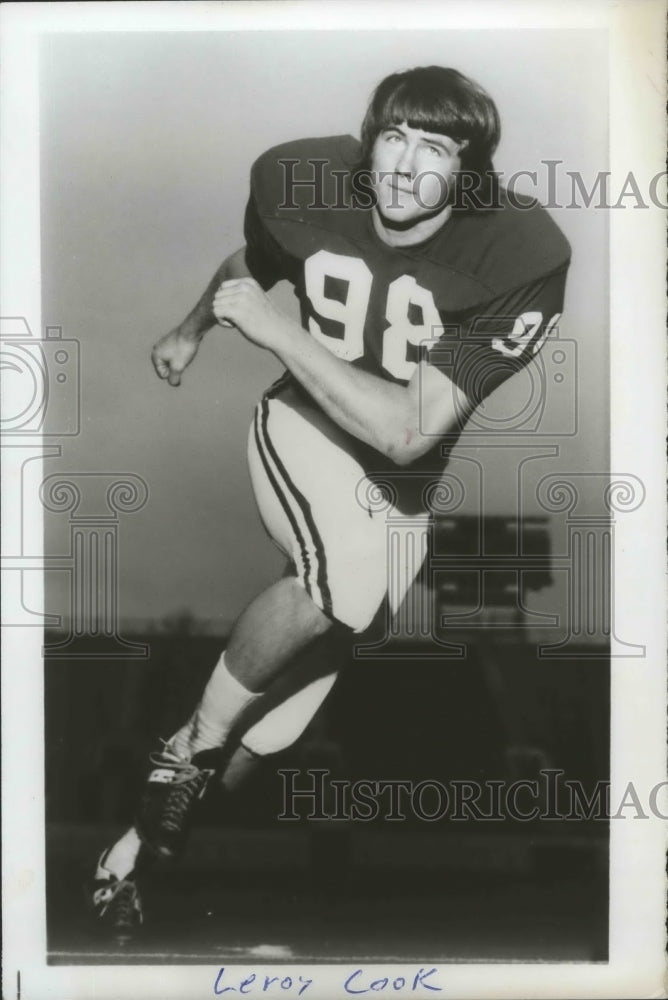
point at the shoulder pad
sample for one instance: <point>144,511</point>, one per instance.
<point>501,249</point>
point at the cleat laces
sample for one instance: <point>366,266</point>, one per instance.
<point>188,783</point>
<point>126,905</point>
<point>123,897</point>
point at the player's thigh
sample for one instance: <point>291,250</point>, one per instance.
<point>309,488</point>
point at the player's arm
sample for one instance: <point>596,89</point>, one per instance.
<point>174,352</point>
<point>383,414</point>
<point>201,318</point>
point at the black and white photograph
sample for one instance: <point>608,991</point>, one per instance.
<point>333,361</point>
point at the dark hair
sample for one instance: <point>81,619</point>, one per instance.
<point>436,99</point>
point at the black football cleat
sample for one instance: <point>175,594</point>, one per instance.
<point>116,904</point>
<point>172,790</point>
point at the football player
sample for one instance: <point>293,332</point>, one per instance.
<point>422,288</point>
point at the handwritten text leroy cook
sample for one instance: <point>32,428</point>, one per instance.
<point>356,982</point>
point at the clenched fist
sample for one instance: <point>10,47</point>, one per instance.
<point>241,302</point>
<point>172,354</point>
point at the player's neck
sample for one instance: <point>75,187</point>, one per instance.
<point>424,229</point>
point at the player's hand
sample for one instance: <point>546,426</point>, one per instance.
<point>172,354</point>
<point>241,302</point>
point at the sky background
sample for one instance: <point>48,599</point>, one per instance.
<point>146,143</point>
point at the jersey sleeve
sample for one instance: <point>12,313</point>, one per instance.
<point>482,349</point>
<point>267,261</point>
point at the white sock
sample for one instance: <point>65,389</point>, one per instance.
<point>283,725</point>
<point>222,703</point>
<point>122,856</point>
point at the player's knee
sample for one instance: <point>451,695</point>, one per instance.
<point>303,606</point>
<point>342,609</point>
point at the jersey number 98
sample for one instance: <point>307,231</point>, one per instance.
<point>351,313</point>
<point>402,293</point>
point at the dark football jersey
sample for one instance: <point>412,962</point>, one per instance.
<point>477,299</point>
<point>488,286</point>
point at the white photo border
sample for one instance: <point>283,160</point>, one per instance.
<point>636,967</point>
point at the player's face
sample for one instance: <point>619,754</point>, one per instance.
<point>413,173</point>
